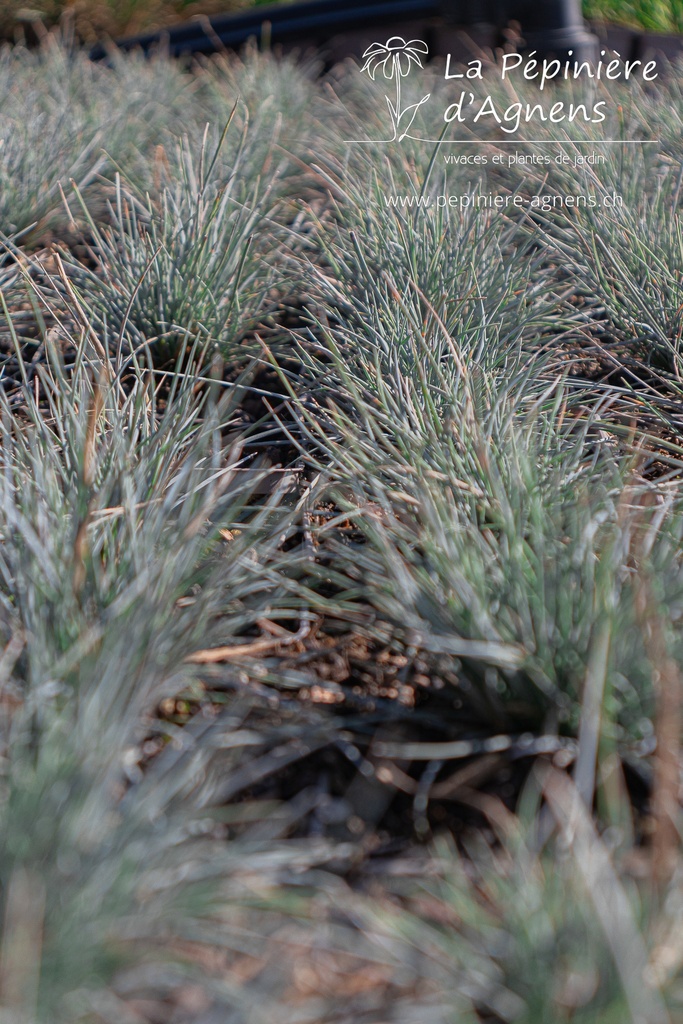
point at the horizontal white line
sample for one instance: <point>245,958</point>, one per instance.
<point>542,142</point>
<point>509,142</point>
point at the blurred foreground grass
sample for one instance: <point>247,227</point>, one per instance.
<point>341,574</point>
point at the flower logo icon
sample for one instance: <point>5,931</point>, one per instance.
<point>395,58</point>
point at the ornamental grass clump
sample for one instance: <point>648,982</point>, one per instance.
<point>44,141</point>
<point>625,260</point>
<point>504,544</point>
<point>188,263</point>
<point>274,121</point>
<point>118,564</point>
<point>610,218</point>
<point>64,118</point>
<point>408,297</point>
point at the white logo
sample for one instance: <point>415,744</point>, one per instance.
<point>395,58</point>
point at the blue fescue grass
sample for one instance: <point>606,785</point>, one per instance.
<point>511,535</point>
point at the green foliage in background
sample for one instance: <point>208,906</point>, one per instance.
<point>654,15</point>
